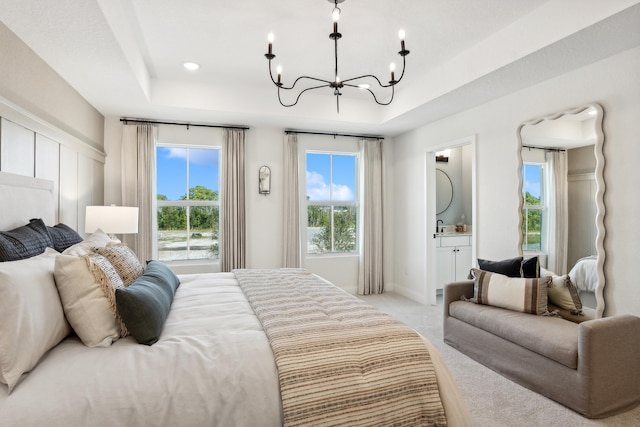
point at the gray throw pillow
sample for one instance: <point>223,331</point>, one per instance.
<point>144,305</point>
<point>63,237</point>
<point>24,242</point>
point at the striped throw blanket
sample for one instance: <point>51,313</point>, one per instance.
<point>340,361</point>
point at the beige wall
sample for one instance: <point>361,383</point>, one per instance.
<point>613,84</point>
<point>27,81</point>
<point>49,131</point>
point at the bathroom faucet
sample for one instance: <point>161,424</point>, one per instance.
<point>438,230</point>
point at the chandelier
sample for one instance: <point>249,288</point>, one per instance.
<point>337,84</point>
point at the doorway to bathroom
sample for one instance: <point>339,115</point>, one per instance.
<point>450,199</point>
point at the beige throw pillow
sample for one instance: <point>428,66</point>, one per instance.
<point>527,295</point>
<point>124,260</point>
<point>564,294</point>
<point>31,315</point>
<point>97,240</point>
<point>86,285</point>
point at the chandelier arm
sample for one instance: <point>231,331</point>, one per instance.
<point>362,77</point>
<point>296,81</point>
<point>326,83</point>
<point>404,63</point>
<point>375,98</point>
<point>377,79</point>
<point>299,95</point>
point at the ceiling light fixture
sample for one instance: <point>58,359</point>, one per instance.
<point>191,66</point>
<point>337,84</point>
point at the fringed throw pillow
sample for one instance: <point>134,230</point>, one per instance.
<point>564,294</point>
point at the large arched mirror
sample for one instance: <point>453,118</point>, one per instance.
<point>562,197</point>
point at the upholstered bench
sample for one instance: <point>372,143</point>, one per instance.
<point>592,366</point>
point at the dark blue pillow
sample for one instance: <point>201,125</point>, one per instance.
<point>24,242</point>
<point>63,237</point>
<point>144,305</point>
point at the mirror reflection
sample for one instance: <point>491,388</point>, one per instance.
<point>561,197</point>
<point>444,191</point>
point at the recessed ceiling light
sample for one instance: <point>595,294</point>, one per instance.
<point>191,66</point>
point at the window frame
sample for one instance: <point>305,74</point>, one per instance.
<point>188,204</point>
<point>333,203</point>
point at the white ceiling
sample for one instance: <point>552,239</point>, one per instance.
<point>125,56</point>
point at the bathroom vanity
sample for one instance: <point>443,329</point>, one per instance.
<point>453,258</point>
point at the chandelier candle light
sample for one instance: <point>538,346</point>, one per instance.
<point>337,84</point>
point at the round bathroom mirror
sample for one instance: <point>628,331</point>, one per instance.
<point>444,191</point>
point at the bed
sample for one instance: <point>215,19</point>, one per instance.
<point>215,361</point>
<point>585,274</point>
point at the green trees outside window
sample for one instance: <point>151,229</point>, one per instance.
<point>332,208</point>
<point>533,207</point>
<point>188,219</point>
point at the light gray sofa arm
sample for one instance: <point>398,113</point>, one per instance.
<point>454,291</point>
<point>608,361</point>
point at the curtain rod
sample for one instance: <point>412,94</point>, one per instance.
<point>126,120</point>
<point>333,134</point>
<point>544,148</point>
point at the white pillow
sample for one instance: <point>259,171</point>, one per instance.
<point>97,240</point>
<point>89,301</point>
<point>31,316</point>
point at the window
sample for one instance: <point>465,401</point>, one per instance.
<point>533,207</point>
<point>188,207</point>
<point>332,203</point>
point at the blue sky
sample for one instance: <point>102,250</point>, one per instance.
<point>171,164</point>
<point>319,177</point>
<point>531,177</point>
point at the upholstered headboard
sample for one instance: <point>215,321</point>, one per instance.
<point>23,198</point>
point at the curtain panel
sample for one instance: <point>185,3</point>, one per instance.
<point>138,185</point>
<point>557,201</point>
<point>370,276</point>
<point>232,205</point>
<point>291,217</point>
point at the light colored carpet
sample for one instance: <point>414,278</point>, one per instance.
<point>492,399</point>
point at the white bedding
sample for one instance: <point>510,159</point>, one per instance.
<point>212,366</point>
<point>585,274</point>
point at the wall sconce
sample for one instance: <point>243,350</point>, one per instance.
<point>264,180</point>
<point>443,156</point>
<point>111,219</point>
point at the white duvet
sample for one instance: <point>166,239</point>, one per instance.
<point>585,274</point>
<point>212,366</point>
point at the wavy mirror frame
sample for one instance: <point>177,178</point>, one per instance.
<point>600,190</point>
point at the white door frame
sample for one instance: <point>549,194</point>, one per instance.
<point>430,210</point>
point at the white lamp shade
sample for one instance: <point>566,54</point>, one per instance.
<point>111,219</point>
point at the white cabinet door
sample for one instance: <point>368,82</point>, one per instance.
<point>445,266</point>
<point>463,262</point>
<point>452,264</point>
